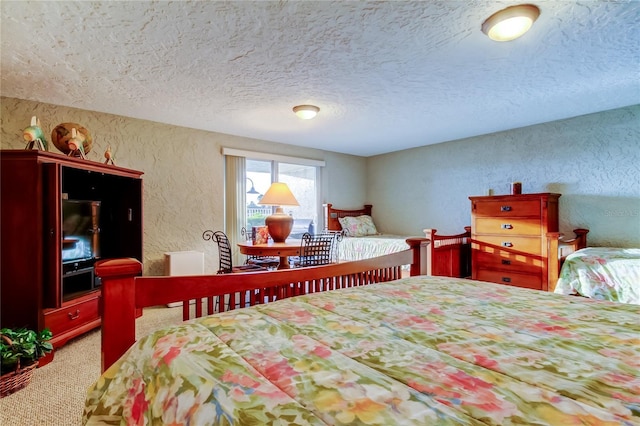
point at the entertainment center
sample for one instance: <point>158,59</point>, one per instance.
<point>59,215</point>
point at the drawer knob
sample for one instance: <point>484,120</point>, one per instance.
<point>506,279</point>
<point>507,244</point>
<point>506,262</point>
<point>505,208</point>
<point>507,226</point>
<point>74,315</point>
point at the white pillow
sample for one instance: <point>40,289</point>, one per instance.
<point>358,226</point>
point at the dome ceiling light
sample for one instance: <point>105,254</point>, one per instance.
<point>306,112</point>
<point>510,23</point>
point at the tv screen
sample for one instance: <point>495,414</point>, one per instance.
<point>80,230</point>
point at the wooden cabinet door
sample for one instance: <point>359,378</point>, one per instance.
<point>52,238</point>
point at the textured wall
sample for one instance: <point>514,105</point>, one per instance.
<point>183,171</point>
<point>592,160</point>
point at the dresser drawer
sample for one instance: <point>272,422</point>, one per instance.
<point>508,226</point>
<point>73,315</point>
<point>506,261</point>
<point>511,208</point>
<point>507,243</point>
<point>532,281</point>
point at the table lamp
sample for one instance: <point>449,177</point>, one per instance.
<point>279,223</point>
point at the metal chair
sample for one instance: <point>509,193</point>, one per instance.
<point>225,259</point>
<point>269,262</point>
<point>225,255</point>
<point>320,249</point>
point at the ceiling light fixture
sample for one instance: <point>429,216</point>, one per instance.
<point>510,23</point>
<point>306,112</point>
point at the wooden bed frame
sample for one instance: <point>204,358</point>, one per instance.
<point>448,255</point>
<point>124,291</point>
<point>332,216</point>
<point>564,247</point>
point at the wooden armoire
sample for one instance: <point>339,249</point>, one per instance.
<point>59,215</point>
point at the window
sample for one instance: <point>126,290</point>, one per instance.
<point>249,169</point>
<point>302,180</point>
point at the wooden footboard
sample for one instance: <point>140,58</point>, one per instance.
<point>564,247</point>
<point>123,291</point>
<point>449,255</point>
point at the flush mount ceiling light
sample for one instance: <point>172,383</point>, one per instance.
<point>306,112</point>
<point>510,23</point>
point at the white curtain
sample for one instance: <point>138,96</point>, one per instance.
<point>235,211</point>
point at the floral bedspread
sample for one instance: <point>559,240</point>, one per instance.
<point>359,248</point>
<point>603,273</point>
<point>417,351</point>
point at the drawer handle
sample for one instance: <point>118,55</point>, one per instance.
<point>507,244</point>
<point>505,208</point>
<point>506,262</point>
<point>506,279</point>
<point>507,226</point>
<point>74,315</point>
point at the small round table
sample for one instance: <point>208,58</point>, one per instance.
<point>282,250</point>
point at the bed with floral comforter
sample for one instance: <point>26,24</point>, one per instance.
<point>369,246</point>
<point>417,351</point>
<point>603,273</point>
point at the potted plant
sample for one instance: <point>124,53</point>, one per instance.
<point>20,350</point>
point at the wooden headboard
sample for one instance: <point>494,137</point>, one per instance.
<point>332,215</point>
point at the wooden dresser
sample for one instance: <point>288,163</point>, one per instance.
<point>508,238</point>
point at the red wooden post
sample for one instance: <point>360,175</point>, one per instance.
<point>430,234</point>
<point>419,248</point>
<point>118,289</point>
<point>581,235</point>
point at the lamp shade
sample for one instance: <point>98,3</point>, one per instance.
<point>278,194</point>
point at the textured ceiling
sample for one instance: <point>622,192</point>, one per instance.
<point>387,75</point>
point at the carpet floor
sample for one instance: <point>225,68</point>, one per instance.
<point>55,396</point>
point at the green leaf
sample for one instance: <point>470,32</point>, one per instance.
<point>26,346</point>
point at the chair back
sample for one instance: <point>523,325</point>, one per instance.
<point>224,250</point>
<point>318,249</point>
<point>245,233</point>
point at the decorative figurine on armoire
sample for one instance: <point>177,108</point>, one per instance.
<point>35,136</point>
<point>76,144</point>
<point>109,156</point>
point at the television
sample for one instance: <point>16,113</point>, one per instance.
<point>80,231</point>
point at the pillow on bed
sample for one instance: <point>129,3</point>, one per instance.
<point>358,226</point>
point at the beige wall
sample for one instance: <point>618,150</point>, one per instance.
<point>593,161</point>
<point>183,171</point>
